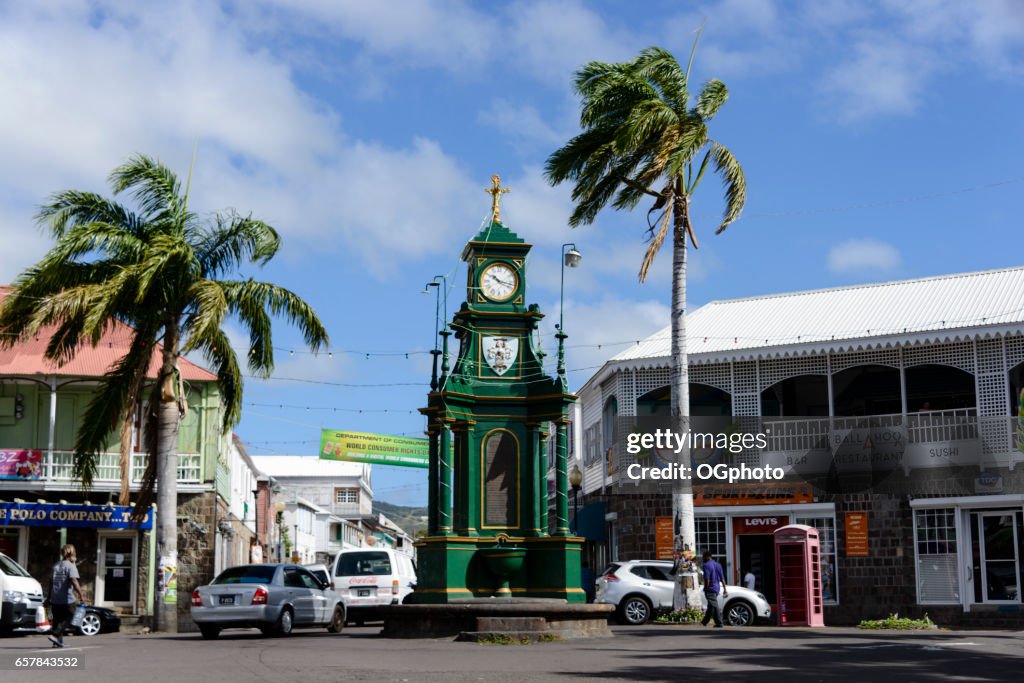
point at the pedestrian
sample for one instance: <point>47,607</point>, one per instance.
<point>749,580</point>
<point>587,578</point>
<point>714,581</point>
<point>64,589</point>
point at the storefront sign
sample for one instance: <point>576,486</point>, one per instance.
<point>379,449</point>
<point>775,492</point>
<point>70,516</point>
<point>988,482</point>
<point>765,524</point>
<point>856,534</point>
<point>20,464</point>
<point>664,539</point>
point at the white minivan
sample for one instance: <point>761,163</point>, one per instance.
<point>368,578</point>
<point>21,596</point>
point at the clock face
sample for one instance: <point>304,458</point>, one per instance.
<point>499,281</point>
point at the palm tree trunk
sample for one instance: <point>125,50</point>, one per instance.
<point>682,491</point>
<point>166,610</point>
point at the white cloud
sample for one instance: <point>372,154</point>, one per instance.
<point>522,124</point>
<point>85,89</point>
<point>882,77</point>
<point>863,254</point>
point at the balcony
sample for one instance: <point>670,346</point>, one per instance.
<point>60,468</point>
<point>347,510</point>
<point>808,434</point>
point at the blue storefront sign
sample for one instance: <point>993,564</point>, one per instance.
<point>71,516</point>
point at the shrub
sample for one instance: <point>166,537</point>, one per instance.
<point>895,622</point>
<point>683,616</point>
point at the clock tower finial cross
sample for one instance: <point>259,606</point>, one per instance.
<point>496,190</point>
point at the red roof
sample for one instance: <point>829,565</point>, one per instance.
<point>28,357</point>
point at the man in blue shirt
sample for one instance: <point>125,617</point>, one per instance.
<point>714,581</point>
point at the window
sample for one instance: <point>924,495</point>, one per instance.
<point>658,573</point>
<point>592,448</point>
<point>935,544</point>
<point>293,579</point>
<point>343,496</point>
<point>362,563</point>
<point>826,527</point>
<point>259,573</point>
<point>710,532</point>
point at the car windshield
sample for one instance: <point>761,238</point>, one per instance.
<point>12,568</point>
<point>257,573</point>
<point>363,563</point>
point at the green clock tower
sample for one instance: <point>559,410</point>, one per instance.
<point>497,425</point>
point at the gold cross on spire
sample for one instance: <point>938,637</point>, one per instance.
<point>496,190</point>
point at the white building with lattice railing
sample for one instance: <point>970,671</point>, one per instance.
<point>933,363</point>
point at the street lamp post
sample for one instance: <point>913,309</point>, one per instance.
<point>441,282</point>
<point>575,481</point>
<point>570,258</point>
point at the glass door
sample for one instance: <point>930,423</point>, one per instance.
<point>116,573</point>
<point>997,535</point>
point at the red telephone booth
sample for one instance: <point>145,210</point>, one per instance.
<point>798,576</point>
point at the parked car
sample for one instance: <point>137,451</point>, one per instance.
<point>322,572</point>
<point>21,596</point>
<point>272,597</point>
<point>370,578</point>
<point>98,620</point>
<point>641,589</point>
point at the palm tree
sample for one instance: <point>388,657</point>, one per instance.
<point>642,138</point>
<point>157,269</point>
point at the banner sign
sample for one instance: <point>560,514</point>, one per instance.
<point>71,516</point>
<point>756,493</point>
<point>378,449</point>
<point>21,464</point>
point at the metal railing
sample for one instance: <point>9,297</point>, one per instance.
<point>108,468</point>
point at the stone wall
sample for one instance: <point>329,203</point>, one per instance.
<point>196,546</point>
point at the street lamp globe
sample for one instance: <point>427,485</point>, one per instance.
<point>572,257</point>
<point>575,478</point>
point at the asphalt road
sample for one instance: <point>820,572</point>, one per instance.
<point>648,653</point>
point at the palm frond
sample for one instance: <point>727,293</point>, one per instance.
<point>657,239</point>
<point>117,395</point>
<point>71,208</point>
<point>252,301</point>
<point>735,183</point>
<point>712,97</point>
<point>154,187</point>
<point>235,239</point>
<point>216,347</point>
<point>660,68</point>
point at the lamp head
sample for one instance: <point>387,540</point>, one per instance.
<point>572,257</point>
<point>575,477</point>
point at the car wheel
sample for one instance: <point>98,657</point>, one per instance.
<point>739,613</point>
<point>635,610</point>
<point>338,620</point>
<point>209,632</point>
<point>91,624</point>
<point>284,623</point>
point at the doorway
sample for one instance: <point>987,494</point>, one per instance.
<point>756,553</point>
<point>116,574</point>
<point>996,538</point>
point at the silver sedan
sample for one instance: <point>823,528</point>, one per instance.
<point>272,597</point>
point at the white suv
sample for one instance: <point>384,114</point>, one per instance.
<point>642,588</point>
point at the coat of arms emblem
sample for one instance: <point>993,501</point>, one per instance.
<point>500,353</point>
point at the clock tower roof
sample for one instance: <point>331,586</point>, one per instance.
<point>494,235</point>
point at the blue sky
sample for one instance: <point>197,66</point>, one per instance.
<point>880,140</point>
